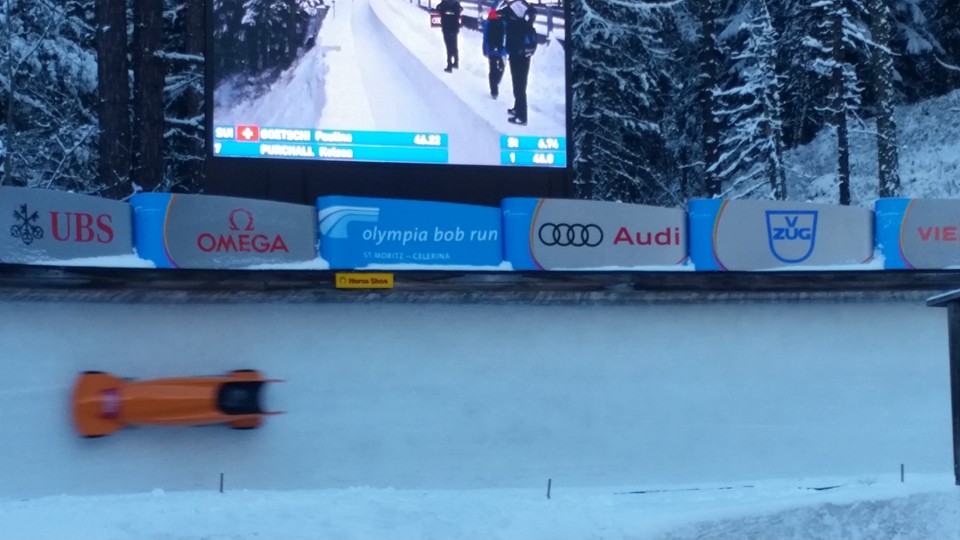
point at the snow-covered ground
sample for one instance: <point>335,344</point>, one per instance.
<point>378,65</point>
<point>928,147</point>
<point>924,508</point>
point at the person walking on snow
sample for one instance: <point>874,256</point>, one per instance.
<point>521,43</point>
<point>450,11</point>
<point>494,32</point>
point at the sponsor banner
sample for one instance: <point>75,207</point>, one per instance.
<point>44,225</point>
<point>561,234</point>
<point>205,231</point>
<point>769,235</point>
<point>918,233</point>
<point>357,231</point>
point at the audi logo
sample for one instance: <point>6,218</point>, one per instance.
<point>567,234</point>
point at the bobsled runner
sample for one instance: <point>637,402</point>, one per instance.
<point>103,403</point>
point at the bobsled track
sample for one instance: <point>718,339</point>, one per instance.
<point>489,388</point>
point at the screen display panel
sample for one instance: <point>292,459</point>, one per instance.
<point>390,81</point>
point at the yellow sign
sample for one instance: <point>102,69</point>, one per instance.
<point>358,280</point>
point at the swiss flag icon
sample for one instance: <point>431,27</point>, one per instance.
<point>248,133</point>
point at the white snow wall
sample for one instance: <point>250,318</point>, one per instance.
<point>413,395</point>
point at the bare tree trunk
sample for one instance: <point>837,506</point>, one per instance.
<point>709,60</point>
<point>840,108</point>
<point>195,13</point>
<point>148,72</point>
<point>113,70</point>
<point>887,159</point>
<point>8,157</point>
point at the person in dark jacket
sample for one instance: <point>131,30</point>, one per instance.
<point>518,15</point>
<point>494,48</point>
<point>450,11</point>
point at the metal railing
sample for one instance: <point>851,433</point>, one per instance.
<point>550,19</point>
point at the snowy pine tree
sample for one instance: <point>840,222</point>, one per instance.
<point>184,96</point>
<point>708,62</point>
<point>752,144</point>
<point>946,25</point>
<point>835,43</point>
<point>619,73</point>
<point>6,23</point>
<point>51,78</point>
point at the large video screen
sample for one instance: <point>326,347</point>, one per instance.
<point>372,81</point>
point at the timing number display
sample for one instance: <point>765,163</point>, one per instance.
<point>533,151</point>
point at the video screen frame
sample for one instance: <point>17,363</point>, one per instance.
<point>301,180</point>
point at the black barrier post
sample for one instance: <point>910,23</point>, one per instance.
<point>951,301</point>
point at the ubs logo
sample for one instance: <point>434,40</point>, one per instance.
<point>26,230</point>
<point>792,234</point>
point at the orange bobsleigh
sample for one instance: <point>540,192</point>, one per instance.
<point>103,403</point>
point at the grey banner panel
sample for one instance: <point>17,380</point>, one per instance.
<point>762,235</point>
<point>571,234</point>
<point>930,237</point>
<point>204,231</point>
<point>41,225</point>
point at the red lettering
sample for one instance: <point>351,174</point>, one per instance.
<point>243,241</point>
<point>55,225</point>
<point>278,245</point>
<point>663,238</point>
<point>79,227</point>
<point>206,242</point>
<point>939,234</point>
<point>261,244</point>
<point>667,237</point>
<point>104,224</point>
<point>226,243</point>
<point>84,227</point>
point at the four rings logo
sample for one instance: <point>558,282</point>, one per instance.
<point>567,234</point>
<point>792,234</point>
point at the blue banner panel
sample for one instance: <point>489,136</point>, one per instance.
<point>518,216</point>
<point>703,215</point>
<point>357,232</point>
<point>150,212</point>
<point>890,215</point>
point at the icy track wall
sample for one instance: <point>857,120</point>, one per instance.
<point>467,396</point>
<point>196,231</point>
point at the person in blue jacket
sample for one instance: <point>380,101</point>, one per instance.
<point>494,48</point>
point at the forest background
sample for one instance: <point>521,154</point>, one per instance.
<point>672,99</point>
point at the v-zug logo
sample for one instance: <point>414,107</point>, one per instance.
<point>792,234</point>
<point>570,234</point>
